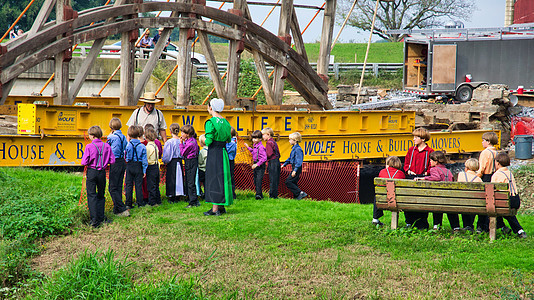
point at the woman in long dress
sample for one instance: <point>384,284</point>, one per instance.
<point>218,185</point>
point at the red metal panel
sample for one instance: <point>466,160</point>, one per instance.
<point>336,181</point>
<point>523,11</point>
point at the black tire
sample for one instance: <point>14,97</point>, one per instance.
<point>464,93</point>
<point>195,61</point>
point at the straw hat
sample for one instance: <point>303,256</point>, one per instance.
<point>150,97</point>
<point>161,28</point>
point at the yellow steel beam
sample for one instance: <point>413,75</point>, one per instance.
<point>75,120</point>
<point>112,101</point>
<point>17,150</point>
<point>30,150</point>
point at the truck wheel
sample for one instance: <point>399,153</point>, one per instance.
<point>464,93</point>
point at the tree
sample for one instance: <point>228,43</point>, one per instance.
<point>404,14</point>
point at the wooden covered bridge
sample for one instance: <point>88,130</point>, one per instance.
<point>55,40</point>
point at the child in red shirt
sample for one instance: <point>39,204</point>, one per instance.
<point>273,161</point>
<point>393,169</point>
<point>417,164</point>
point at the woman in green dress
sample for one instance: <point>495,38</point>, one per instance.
<point>218,185</point>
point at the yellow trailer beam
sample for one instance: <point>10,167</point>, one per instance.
<point>112,101</point>
<point>75,120</point>
<point>31,150</point>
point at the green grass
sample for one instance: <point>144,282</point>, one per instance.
<point>344,53</point>
<point>33,204</point>
<point>100,276</point>
<point>274,248</point>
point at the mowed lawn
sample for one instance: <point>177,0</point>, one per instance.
<point>289,249</point>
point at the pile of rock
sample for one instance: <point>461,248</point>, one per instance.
<point>8,124</point>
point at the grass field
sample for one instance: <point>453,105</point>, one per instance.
<point>343,52</point>
<point>266,249</point>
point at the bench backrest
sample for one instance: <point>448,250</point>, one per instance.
<point>453,197</point>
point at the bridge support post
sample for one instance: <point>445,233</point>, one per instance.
<point>128,40</point>
<point>62,59</point>
<point>326,37</point>
<point>234,59</point>
<point>286,12</point>
<point>183,82</point>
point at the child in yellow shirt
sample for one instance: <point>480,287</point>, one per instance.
<point>503,175</point>
<point>469,175</point>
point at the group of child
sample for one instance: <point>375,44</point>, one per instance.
<point>423,163</point>
<point>138,159</point>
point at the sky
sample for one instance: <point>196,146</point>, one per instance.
<point>489,13</point>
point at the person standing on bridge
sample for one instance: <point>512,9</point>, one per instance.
<point>148,114</point>
<point>156,38</point>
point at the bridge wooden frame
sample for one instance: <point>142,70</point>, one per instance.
<point>54,40</point>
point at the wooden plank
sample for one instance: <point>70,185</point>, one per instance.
<point>478,186</point>
<point>264,78</point>
<point>394,220</point>
<point>61,78</point>
<point>49,50</point>
<point>50,33</point>
<point>152,61</point>
<point>260,66</point>
<point>183,74</point>
<point>212,64</point>
<point>444,64</point>
<point>127,68</point>
<point>297,36</point>
<point>492,228</point>
<point>326,37</point>
<point>451,193</point>
<point>448,209</point>
<point>85,68</point>
<point>419,199</point>
<point>307,88</point>
<point>234,60</point>
<point>44,12</point>
<point>283,30</point>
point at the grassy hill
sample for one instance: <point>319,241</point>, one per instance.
<point>343,53</point>
<point>274,248</point>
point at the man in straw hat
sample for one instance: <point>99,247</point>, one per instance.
<point>148,114</point>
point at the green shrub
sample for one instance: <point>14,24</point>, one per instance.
<point>90,276</point>
<point>14,255</point>
<point>28,211</point>
<point>101,276</point>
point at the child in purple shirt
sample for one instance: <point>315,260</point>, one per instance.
<point>259,157</point>
<point>189,151</point>
<point>97,156</point>
<point>438,172</point>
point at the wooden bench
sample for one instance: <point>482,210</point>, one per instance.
<point>481,198</point>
